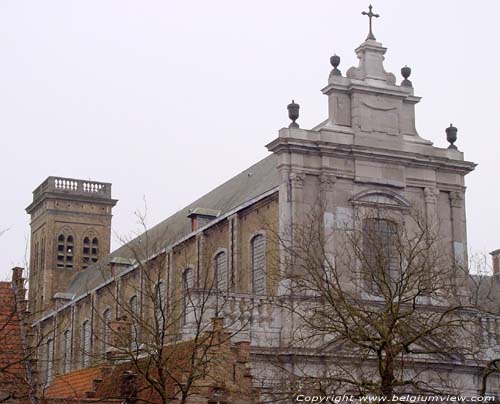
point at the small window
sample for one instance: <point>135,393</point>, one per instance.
<point>50,359</point>
<point>134,315</point>
<point>160,305</point>
<point>67,351</point>
<point>106,330</point>
<point>86,343</point>
<point>221,271</point>
<point>187,284</point>
<point>258,274</point>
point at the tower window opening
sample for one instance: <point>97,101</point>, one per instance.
<point>65,251</point>
<point>90,251</point>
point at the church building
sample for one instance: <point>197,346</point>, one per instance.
<point>223,264</point>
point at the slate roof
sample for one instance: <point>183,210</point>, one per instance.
<point>249,184</point>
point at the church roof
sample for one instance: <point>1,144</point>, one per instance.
<point>249,184</point>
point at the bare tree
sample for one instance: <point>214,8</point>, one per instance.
<point>377,306</point>
<point>165,327</point>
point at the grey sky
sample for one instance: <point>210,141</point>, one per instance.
<point>168,99</point>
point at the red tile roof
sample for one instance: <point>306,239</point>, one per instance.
<point>73,385</point>
<point>13,380</point>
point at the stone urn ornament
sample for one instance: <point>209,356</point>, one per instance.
<point>406,72</point>
<point>451,136</point>
<point>293,114</point>
<point>335,61</point>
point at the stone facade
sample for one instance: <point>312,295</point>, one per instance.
<point>366,154</point>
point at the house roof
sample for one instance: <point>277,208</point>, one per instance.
<point>75,384</point>
<point>13,378</point>
<point>249,184</point>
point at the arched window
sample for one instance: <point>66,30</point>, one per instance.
<point>106,330</point>
<point>380,253</point>
<point>258,251</point>
<point>188,281</point>
<point>187,284</point>
<point>221,271</point>
<point>65,251</point>
<point>86,341</point>
<point>94,252</point>
<point>67,351</point>
<point>90,251</point>
<point>160,305</point>
<point>50,359</point>
<point>134,316</point>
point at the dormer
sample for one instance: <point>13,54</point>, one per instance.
<point>201,216</point>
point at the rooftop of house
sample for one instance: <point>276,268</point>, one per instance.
<point>13,378</point>
<point>107,382</point>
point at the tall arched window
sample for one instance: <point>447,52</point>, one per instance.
<point>90,251</point>
<point>258,272</point>
<point>187,284</point>
<point>65,251</point>
<point>160,305</point>
<point>50,359</point>
<point>380,253</point>
<point>106,330</point>
<point>86,343</point>
<point>134,317</point>
<point>221,271</point>
<point>67,351</point>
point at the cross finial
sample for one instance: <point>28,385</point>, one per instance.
<point>370,15</point>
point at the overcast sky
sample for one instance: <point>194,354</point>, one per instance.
<point>168,99</point>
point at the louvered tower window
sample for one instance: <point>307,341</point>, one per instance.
<point>221,270</point>
<point>65,251</point>
<point>90,251</point>
<point>258,246</point>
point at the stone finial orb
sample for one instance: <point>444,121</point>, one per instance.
<point>293,114</point>
<point>406,72</point>
<point>335,61</point>
<point>451,136</point>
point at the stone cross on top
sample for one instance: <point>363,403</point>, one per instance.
<point>370,15</point>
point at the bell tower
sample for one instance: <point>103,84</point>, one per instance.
<point>70,230</point>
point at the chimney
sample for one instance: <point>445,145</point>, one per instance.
<point>119,337</point>
<point>128,387</point>
<point>217,323</point>
<point>18,280</point>
<point>496,261</point>
<point>243,351</point>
